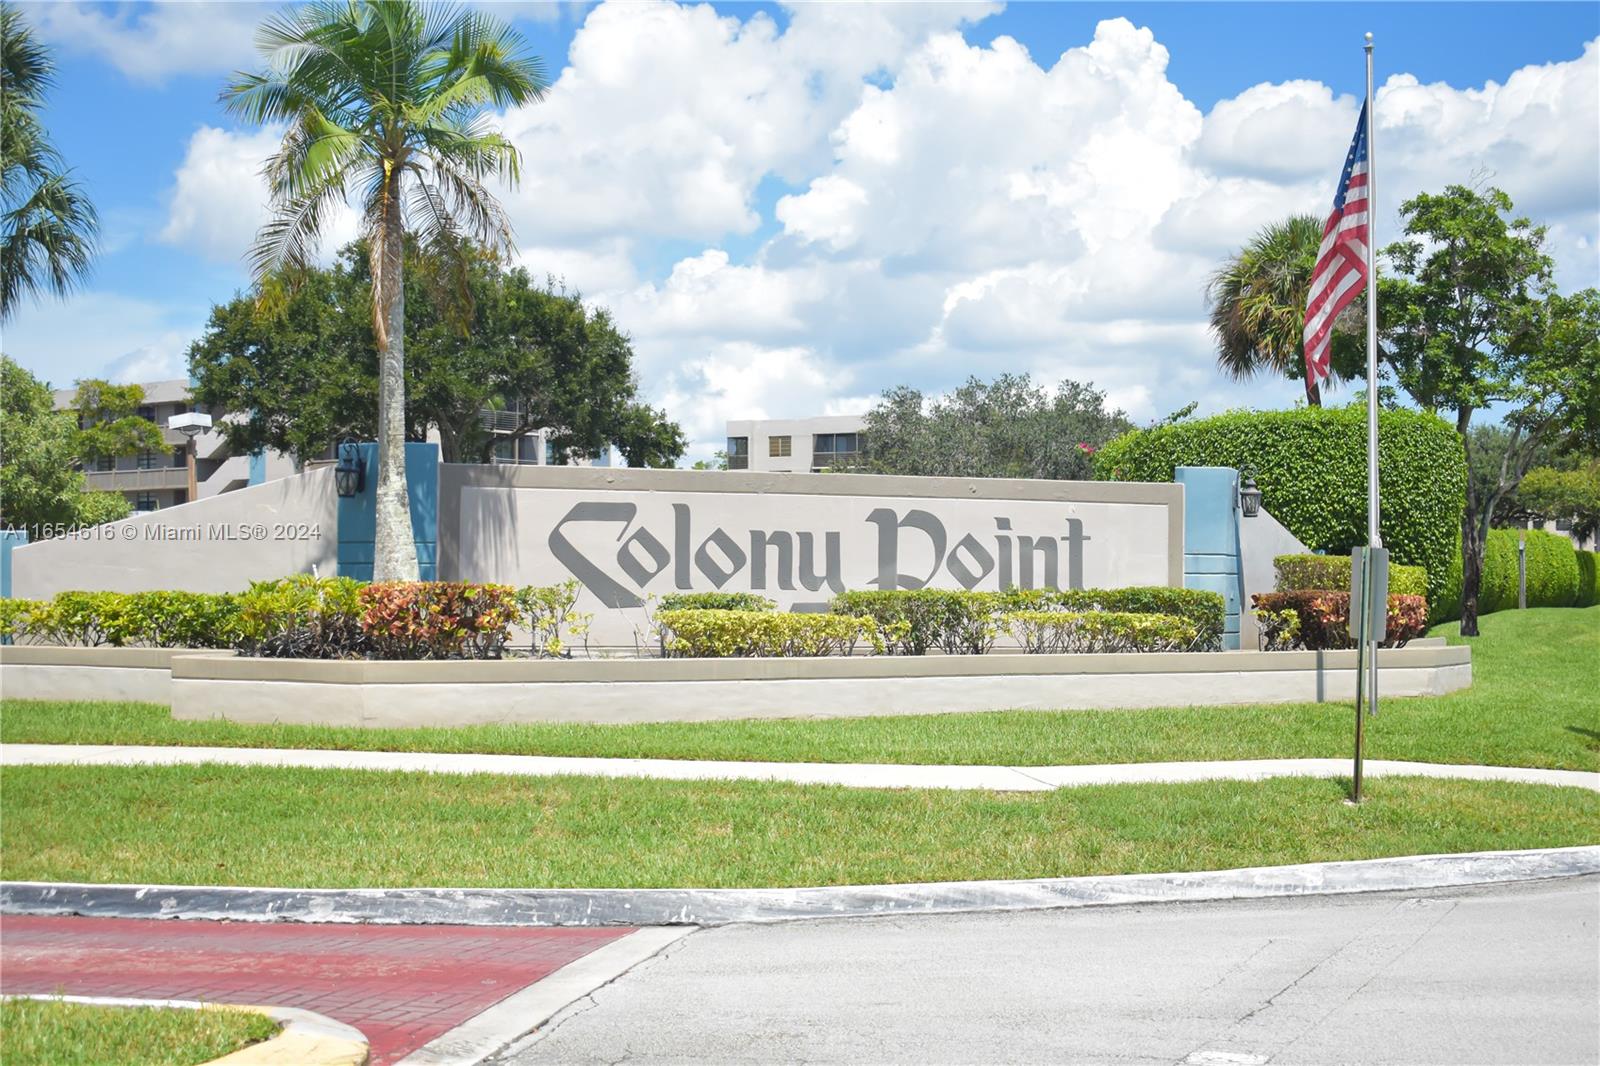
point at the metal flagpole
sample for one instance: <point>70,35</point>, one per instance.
<point>1374,539</point>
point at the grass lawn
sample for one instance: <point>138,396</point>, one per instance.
<point>53,1033</point>
<point>1533,702</point>
<point>337,828</point>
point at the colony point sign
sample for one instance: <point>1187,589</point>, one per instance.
<point>630,535</point>
<point>783,560</point>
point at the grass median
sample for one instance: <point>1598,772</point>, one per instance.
<point>336,828</point>
<point>1532,703</point>
<point>51,1032</point>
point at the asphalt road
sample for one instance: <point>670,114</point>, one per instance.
<point>1499,975</point>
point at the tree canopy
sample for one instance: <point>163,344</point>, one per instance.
<point>48,227</point>
<point>1470,319</point>
<point>1010,427</point>
<point>41,452</point>
<point>303,372</point>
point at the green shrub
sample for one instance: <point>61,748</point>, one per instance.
<point>1588,578</point>
<point>1098,631</point>
<point>716,601</point>
<point>1553,575</point>
<point>551,615</point>
<point>160,619</point>
<point>302,617</point>
<point>1206,611</point>
<point>1311,466</point>
<point>1324,617</point>
<point>1279,630</point>
<point>437,619</point>
<point>1297,572</point>
<point>709,634</point>
<point>913,621</point>
<point>16,618</point>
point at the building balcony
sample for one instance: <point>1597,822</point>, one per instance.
<point>156,478</point>
<point>835,460</point>
<point>499,421</point>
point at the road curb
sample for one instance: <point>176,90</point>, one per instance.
<point>722,906</point>
<point>305,1038</point>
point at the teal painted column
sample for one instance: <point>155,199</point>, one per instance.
<point>358,515</point>
<point>9,538</point>
<point>1211,556</point>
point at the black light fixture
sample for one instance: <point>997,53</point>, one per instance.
<point>1249,495</point>
<point>349,474</point>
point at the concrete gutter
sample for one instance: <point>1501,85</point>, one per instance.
<point>304,1038</point>
<point>722,906</point>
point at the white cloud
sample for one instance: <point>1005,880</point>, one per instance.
<point>219,198</point>
<point>102,334</point>
<point>152,42</point>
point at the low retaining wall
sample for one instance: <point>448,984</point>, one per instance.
<point>201,685</point>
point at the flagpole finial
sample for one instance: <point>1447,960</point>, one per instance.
<point>1369,38</point>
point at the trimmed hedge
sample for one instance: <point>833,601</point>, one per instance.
<point>914,621</point>
<point>714,634</point>
<point>1098,631</point>
<point>1552,571</point>
<point>1323,617</point>
<point>1588,578</point>
<point>1311,466</point>
<point>716,601</point>
<point>125,619</point>
<point>1299,572</point>
<point>1206,611</point>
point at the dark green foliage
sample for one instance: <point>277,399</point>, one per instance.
<point>41,485</point>
<point>1311,466</point>
<point>716,601</point>
<point>125,619</point>
<point>1299,572</point>
<point>1083,632</point>
<point>1552,571</point>
<point>1588,578</point>
<point>1206,611</point>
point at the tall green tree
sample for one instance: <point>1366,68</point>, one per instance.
<point>306,370</point>
<point>48,227</point>
<point>1009,427</point>
<point>1257,299</point>
<point>390,100</point>
<point>109,424</point>
<point>41,452</point>
<point>1471,320</point>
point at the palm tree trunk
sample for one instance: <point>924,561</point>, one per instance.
<point>395,553</point>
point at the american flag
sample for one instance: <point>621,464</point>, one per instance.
<point>1341,268</point>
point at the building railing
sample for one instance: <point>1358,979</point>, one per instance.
<point>835,460</point>
<point>738,462</point>
<point>499,421</point>
<point>160,477</point>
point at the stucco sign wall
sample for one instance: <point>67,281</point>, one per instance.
<point>630,535</point>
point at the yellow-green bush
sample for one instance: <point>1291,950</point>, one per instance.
<point>1303,572</point>
<point>1588,578</point>
<point>1098,631</point>
<point>712,634</point>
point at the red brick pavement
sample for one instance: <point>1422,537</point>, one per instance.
<point>402,986</point>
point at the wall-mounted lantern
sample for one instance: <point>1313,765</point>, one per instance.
<point>1249,495</point>
<point>349,474</point>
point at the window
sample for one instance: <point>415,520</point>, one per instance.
<point>505,450</point>
<point>180,456</point>
<point>105,462</point>
<point>738,453</point>
<point>780,447</point>
<point>147,412</point>
<point>145,501</point>
<point>1563,525</point>
<point>148,460</point>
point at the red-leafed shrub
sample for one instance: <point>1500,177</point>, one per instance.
<point>1325,617</point>
<point>437,619</point>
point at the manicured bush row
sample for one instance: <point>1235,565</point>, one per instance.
<point>1552,570</point>
<point>915,621</point>
<point>720,634</point>
<point>1098,631</point>
<point>308,617</point>
<point>716,601</point>
<point>1298,573</point>
<point>1311,466</point>
<point>1323,619</point>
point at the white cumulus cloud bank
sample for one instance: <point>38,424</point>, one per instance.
<point>790,218</point>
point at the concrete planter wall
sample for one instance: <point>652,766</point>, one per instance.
<point>401,694</point>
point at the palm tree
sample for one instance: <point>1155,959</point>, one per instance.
<point>47,225</point>
<point>387,99</point>
<point>1258,302</point>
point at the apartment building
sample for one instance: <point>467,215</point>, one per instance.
<point>533,448</point>
<point>827,442</point>
<point>152,480</point>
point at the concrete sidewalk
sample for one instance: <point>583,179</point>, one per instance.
<point>855,775</point>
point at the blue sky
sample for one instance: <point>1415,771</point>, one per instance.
<point>857,197</point>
